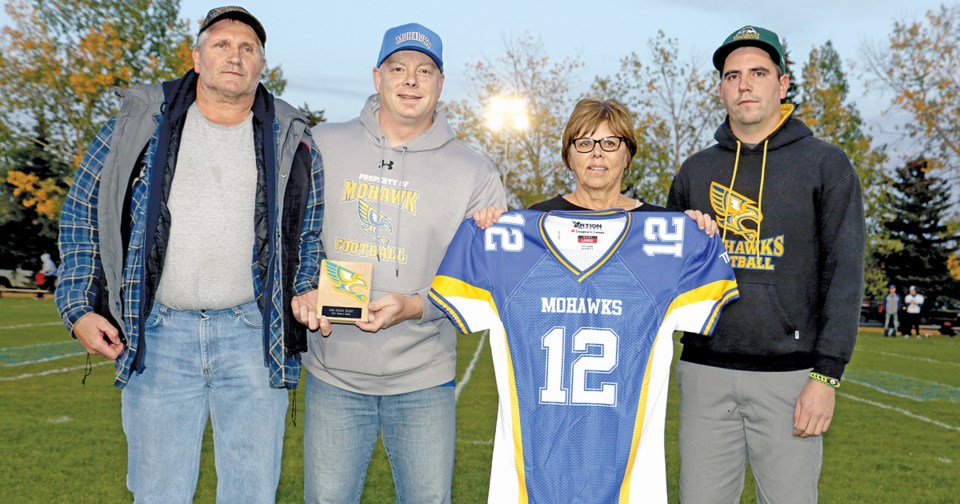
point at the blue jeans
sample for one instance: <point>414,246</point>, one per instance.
<point>886,323</point>
<point>201,364</point>
<point>340,430</point>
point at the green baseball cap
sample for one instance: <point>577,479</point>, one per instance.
<point>750,36</point>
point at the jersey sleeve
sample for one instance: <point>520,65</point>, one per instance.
<point>461,288</point>
<point>706,284</point>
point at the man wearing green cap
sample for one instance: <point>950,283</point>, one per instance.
<point>761,390</point>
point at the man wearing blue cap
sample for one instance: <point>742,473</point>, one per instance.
<point>761,390</point>
<point>401,184</point>
<point>891,309</point>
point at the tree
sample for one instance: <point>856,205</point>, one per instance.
<point>677,109</point>
<point>59,64</point>
<point>314,117</point>
<point>529,160</point>
<point>789,64</point>
<point>916,221</point>
<point>921,67</point>
<point>29,201</point>
<point>823,104</point>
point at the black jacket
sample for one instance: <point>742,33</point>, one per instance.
<point>797,248</point>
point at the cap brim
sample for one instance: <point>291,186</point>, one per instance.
<point>720,55</point>
<point>414,48</point>
<point>246,19</point>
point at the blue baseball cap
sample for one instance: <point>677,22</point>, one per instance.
<point>412,37</point>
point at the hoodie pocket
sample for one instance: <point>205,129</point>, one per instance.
<point>756,324</point>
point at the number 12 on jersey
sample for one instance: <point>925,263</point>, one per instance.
<point>596,352</point>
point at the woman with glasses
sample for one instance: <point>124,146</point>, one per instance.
<point>598,146</point>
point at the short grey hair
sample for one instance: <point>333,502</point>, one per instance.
<point>202,37</point>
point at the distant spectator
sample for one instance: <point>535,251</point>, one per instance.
<point>891,308</point>
<point>914,302</point>
<point>47,276</point>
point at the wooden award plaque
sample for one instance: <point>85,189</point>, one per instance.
<point>344,290</point>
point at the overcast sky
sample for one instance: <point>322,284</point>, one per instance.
<point>327,49</point>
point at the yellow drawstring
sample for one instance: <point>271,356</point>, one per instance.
<point>763,173</point>
<point>726,215</point>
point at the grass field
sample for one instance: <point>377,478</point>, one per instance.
<point>895,438</point>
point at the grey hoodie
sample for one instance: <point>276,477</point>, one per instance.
<point>397,207</point>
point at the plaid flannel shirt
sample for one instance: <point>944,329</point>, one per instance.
<point>81,265</point>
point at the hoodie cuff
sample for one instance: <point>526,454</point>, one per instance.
<point>829,366</point>
<point>430,311</point>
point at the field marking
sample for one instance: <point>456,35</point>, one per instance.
<point>50,372</point>
<point>902,411</point>
<point>21,326</point>
<point>466,374</point>
<point>882,390</point>
<point>28,354</point>
<point>7,349</point>
<point>44,359</point>
<point>902,356</point>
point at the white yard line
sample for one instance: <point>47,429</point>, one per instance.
<point>50,372</point>
<point>44,359</point>
<point>20,326</point>
<point>883,390</point>
<point>913,357</point>
<point>7,349</point>
<point>902,411</point>
<point>466,375</point>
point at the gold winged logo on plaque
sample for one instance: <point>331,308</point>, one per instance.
<point>347,281</point>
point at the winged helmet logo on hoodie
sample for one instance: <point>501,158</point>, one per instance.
<point>373,222</point>
<point>734,211</point>
<point>347,281</point>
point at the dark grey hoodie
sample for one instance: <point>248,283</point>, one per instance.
<point>397,207</point>
<point>794,228</point>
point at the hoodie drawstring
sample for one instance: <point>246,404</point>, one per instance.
<point>726,215</point>
<point>396,257</point>
<point>376,229</point>
<point>763,174</point>
<point>733,181</point>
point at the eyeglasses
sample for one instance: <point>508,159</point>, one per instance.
<point>608,144</point>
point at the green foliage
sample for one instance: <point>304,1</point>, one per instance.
<point>823,103</point>
<point>676,107</point>
<point>31,187</point>
<point>59,64</point>
<point>788,62</point>
<point>64,58</point>
<point>916,221</point>
<point>921,67</point>
<point>314,117</point>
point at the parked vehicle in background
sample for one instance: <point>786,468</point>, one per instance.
<point>945,315</point>
<point>871,311</point>
<point>18,278</point>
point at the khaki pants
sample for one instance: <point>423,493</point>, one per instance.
<point>729,418</point>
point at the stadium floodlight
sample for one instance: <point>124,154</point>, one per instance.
<point>507,112</point>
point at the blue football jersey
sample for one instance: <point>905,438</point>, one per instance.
<point>581,308</point>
